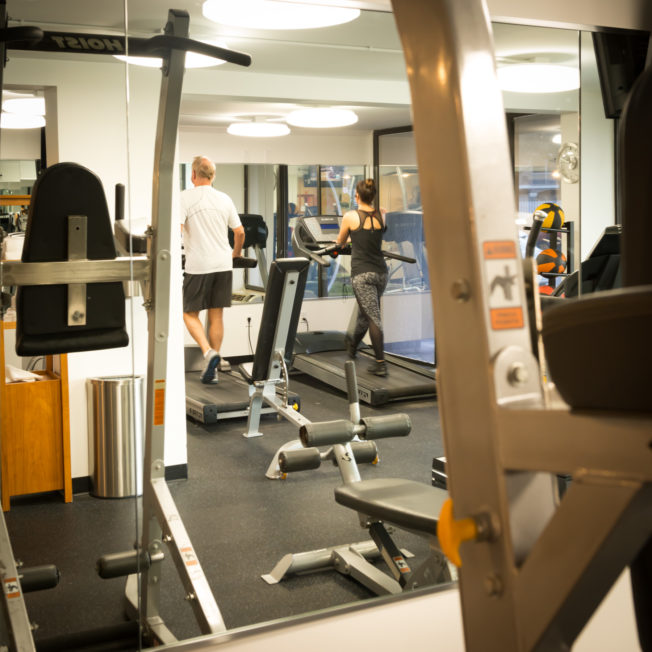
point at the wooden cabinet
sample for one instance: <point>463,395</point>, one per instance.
<point>35,430</point>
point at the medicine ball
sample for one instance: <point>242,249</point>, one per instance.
<point>551,261</point>
<point>554,216</point>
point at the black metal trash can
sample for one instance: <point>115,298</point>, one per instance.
<point>116,423</point>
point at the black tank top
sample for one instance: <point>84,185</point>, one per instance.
<point>366,255</point>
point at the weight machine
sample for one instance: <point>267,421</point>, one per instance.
<point>79,279</point>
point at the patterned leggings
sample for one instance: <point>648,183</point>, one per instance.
<point>368,287</point>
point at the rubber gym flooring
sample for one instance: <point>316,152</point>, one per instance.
<point>240,524</point>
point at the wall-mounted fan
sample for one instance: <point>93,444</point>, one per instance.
<point>568,162</point>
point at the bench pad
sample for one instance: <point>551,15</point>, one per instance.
<point>405,503</point>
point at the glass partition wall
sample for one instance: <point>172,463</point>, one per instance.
<point>90,120</point>
<point>80,420</point>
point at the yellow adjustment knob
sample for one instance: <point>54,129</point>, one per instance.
<point>451,532</point>
<point>295,406</point>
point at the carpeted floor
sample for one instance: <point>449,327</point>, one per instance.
<point>240,524</point>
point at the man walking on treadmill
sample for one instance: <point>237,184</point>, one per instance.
<point>206,215</point>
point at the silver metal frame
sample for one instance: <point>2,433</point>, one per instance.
<point>162,522</point>
<point>544,568</point>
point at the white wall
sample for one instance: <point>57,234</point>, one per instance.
<point>19,144</point>
<point>352,148</point>
<point>596,155</point>
<point>92,131</point>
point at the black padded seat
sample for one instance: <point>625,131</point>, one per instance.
<point>598,349</point>
<point>63,190</point>
<point>408,504</point>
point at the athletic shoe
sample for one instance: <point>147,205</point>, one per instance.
<point>378,368</point>
<point>351,349</point>
<point>209,373</point>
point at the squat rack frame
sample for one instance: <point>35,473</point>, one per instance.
<point>162,523</point>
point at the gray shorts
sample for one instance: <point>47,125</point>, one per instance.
<point>204,291</point>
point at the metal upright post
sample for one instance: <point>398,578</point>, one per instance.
<point>536,570</point>
<point>161,522</point>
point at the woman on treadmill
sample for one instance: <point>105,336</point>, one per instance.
<point>365,226</point>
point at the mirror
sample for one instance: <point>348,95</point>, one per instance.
<point>242,523</point>
<point>74,433</point>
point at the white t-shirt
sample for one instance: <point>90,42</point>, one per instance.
<point>207,214</point>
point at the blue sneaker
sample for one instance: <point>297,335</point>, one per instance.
<point>209,373</point>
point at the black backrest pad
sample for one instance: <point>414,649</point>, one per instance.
<point>42,311</point>
<point>269,320</point>
<point>635,144</point>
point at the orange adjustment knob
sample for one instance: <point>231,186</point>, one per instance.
<point>451,532</point>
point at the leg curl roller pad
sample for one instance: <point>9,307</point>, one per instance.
<point>37,578</point>
<point>391,425</point>
<point>302,459</point>
<point>365,452</point>
<point>326,433</point>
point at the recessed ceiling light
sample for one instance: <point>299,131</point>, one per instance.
<point>21,121</point>
<point>193,59</point>
<point>538,78</point>
<point>322,118</point>
<point>556,139</point>
<point>271,14</point>
<point>258,129</point>
<point>25,105</point>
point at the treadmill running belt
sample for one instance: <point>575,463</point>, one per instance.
<point>227,399</point>
<point>399,384</point>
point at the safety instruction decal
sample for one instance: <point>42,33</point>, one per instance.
<point>159,402</point>
<point>401,564</point>
<point>501,272</point>
<point>12,587</point>
<point>189,557</point>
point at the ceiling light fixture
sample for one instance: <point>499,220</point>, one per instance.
<point>271,14</point>
<point>258,128</point>
<point>556,139</point>
<point>25,105</point>
<point>193,59</point>
<point>538,78</point>
<point>322,118</point>
<point>21,121</point>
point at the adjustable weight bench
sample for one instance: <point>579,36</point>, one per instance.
<point>406,504</point>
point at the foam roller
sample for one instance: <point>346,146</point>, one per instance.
<point>365,452</point>
<point>325,433</point>
<point>37,578</point>
<point>120,564</point>
<point>391,425</point>
<point>302,459</point>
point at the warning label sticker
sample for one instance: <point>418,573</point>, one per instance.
<point>501,272</point>
<point>189,557</point>
<point>401,564</point>
<point>505,318</point>
<point>499,249</point>
<point>12,587</point>
<point>159,402</point>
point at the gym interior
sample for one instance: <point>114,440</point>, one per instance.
<point>142,509</point>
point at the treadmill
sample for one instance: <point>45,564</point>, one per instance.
<point>229,398</point>
<point>322,354</point>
